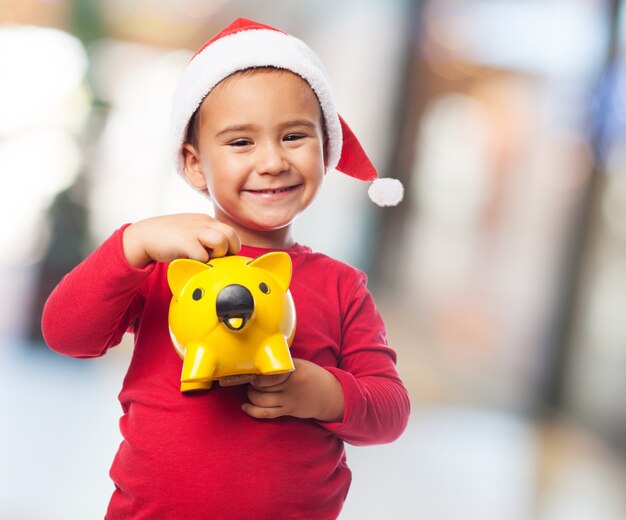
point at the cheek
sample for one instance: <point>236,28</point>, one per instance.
<point>225,164</point>
<point>219,170</point>
<point>318,165</point>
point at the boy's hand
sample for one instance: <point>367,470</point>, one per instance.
<point>310,392</point>
<point>190,235</point>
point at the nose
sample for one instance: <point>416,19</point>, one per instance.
<point>271,159</point>
<point>234,306</point>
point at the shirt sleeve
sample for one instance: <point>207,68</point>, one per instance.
<point>96,303</point>
<point>376,403</point>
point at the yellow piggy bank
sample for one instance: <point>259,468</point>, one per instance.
<point>231,318</point>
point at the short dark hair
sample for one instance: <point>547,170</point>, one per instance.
<point>192,128</point>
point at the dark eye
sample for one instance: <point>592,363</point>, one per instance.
<point>197,294</point>
<point>264,288</point>
<point>240,142</point>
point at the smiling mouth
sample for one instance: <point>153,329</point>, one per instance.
<point>275,190</point>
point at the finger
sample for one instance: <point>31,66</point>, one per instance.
<point>261,413</point>
<point>214,241</point>
<point>267,382</point>
<point>230,239</point>
<point>264,399</point>
<point>234,243</point>
<point>195,251</point>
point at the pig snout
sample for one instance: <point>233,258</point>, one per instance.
<point>234,306</point>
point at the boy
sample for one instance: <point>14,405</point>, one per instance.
<point>254,126</point>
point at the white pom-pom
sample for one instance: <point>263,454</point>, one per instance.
<point>386,191</point>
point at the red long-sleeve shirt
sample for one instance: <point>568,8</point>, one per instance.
<point>200,456</point>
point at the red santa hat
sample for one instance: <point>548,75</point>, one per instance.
<point>245,44</point>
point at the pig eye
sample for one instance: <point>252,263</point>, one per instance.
<point>197,294</point>
<point>264,288</point>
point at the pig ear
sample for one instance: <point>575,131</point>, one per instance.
<point>277,263</point>
<point>180,271</point>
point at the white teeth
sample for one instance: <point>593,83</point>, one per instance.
<point>273,192</point>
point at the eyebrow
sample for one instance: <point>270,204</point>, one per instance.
<point>299,122</point>
<point>251,127</point>
<point>235,129</point>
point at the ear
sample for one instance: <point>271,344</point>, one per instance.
<point>193,167</point>
<point>325,151</point>
<point>180,271</point>
<point>278,264</point>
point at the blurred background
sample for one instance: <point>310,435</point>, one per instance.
<point>502,275</point>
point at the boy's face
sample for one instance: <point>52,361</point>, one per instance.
<point>260,150</point>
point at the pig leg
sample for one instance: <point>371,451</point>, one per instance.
<point>274,357</point>
<point>199,365</point>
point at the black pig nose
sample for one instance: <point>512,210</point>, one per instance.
<point>234,306</point>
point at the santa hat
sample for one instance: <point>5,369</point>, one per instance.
<point>245,44</point>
